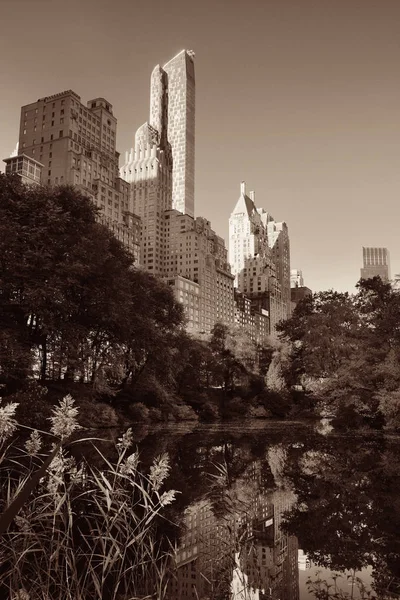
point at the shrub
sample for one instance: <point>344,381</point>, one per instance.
<point>184,413</point>
<point>209,412</point>
<point>258,412</point>
<point>97,415</point>
<point>389,405</point>
<point>278,405</point>
<point>34,405</point>
<point>237,407</point>
<point>155,415</point>
<point>138,412</point>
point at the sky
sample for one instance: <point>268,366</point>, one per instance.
<point>298,98</point>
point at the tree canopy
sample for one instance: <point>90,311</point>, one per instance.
<point>347,348</point>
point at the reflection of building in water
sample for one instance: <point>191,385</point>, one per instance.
<point>243,555</point>
<point>240,587</point>
<point>270,557</point>
<point>204,554</point>
<point>303,561</point>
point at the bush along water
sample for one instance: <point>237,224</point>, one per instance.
<point>80,532</point>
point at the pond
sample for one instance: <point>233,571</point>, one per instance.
<point>284,511</point>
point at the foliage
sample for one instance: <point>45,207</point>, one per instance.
<point>276,404</point>
<point>327,589</point>
<point>352,488</point>
<point>84,532</point>
<point>75,310</point>
<point>138,412</point>
<point>345,349</point>
<point>183,412</point>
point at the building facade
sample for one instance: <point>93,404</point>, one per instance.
<point>172,117</point>
<point>296,278</point>
<point>182,249</point>
<point>259,254</point>
<point>196,255</point>
<point>27,168</point>
<point>76,144</point>
<point>181,128</point>
<point>376,262</point>
<point>299,293</point>
<point>148,169</point>
<point>253,319</point>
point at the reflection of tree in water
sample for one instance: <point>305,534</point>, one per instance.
<point>233,538</point>
<point>347,514</point>
<point>327,589</point>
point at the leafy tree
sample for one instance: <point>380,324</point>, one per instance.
<point>346,350</point>
<point>71,304</point>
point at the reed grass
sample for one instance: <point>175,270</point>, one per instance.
<point>82,532</point>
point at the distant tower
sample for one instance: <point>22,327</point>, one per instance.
<point>296,278</point>
<point>376,262</point>
<point>15,151</point>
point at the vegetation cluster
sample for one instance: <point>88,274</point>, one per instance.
<point>77,316</point>
<point>72,530</point>
<point>343,351</point>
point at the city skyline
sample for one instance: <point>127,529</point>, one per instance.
<point>312,123</point>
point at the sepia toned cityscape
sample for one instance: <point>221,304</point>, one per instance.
<point>149,203</point>
<point>199,300</point>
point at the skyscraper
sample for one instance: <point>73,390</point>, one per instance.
<point>259,254</point>
<point>376,263</point>
<point>181,128</point>
<point>73,143</point>
<point>184,250</point>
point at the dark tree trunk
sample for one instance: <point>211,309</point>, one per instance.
<point>43,368</point>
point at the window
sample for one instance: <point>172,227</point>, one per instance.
<point>61,120</point>
<point>62,112</point>
<point>51,137</point>
<point>49,173</point>
<point>34,142</point>
<point>42,140</point>
<point>52,123</point>
<point>24,131</point>
<point>61,133</point>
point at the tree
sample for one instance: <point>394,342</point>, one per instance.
<point>71,304</point>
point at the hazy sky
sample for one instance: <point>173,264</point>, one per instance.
<point>299,98</point>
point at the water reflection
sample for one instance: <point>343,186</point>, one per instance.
<point>284,513</point>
